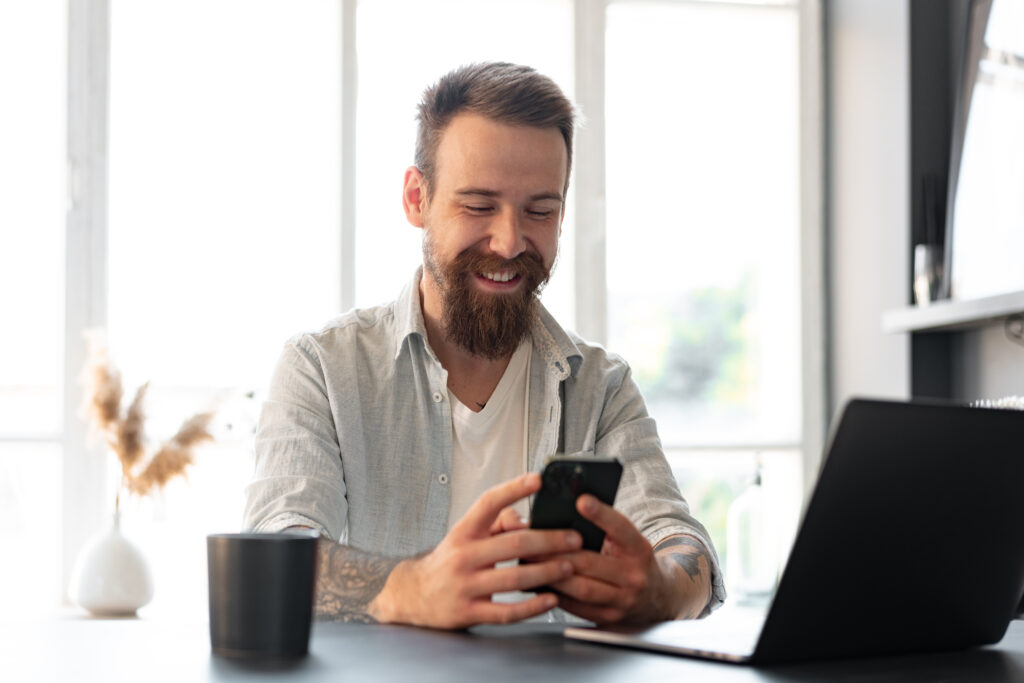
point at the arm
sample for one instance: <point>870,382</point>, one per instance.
<point>685,562</point>
<point>450,586</point>
<point>348,580</point>
<point>298,478</point>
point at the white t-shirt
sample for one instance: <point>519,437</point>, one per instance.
<point>489,447</point>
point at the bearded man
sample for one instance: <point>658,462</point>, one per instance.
<point>410,435</point>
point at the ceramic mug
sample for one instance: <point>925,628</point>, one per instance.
<point>261,593</point>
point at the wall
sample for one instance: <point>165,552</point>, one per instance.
<point>987,364</point>
<point>868,196</point>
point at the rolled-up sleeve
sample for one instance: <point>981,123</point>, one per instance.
<point>298,478</point>
<point>648,493</point>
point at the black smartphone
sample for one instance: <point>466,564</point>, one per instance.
<point>563,480</point>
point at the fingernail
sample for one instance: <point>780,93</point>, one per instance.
<point>573,539</point>
<point>550,601</point>
<point>566,568</point>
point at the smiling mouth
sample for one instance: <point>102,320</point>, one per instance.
<point>499,276</point>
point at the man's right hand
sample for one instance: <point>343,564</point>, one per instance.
<point>451,586</point>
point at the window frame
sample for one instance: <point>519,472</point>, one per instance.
<point>84,478</point>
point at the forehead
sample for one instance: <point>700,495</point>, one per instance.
<point>483,152</point>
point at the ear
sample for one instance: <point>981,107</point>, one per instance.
<point>414,196</point>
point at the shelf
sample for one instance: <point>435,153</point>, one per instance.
<point>946,316</point>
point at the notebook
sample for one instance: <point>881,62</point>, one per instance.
<point>912,541</point>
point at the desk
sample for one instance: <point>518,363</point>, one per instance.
<point>83,649</point>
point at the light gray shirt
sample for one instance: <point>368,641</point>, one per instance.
<point>355,437</point>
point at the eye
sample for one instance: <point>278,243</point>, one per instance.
<point>477,209</point>
<point>541,214</point>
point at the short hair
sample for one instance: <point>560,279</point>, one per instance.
<point>508,93</point>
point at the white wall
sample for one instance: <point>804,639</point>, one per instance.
<point>869,213</point>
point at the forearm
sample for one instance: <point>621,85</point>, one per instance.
<point>348,581</point>
<point>686,568</point>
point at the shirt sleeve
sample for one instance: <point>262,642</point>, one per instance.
<point>298,478</point>
<point>648,493</point>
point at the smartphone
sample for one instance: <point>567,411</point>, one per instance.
<point>563,480</point>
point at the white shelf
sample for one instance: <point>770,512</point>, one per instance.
<point>943,316</point>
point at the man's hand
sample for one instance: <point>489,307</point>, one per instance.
<point>451,586</point>
<point>628,582</point>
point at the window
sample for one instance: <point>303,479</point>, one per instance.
<point>255,162</point>
<point>703,232</point>
<point>703,216</point>
<point>32,202</point>
<point>225,169</point>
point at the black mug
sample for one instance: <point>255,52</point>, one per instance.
<point>261,593</point>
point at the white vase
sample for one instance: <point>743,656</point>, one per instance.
<point>111,577</point>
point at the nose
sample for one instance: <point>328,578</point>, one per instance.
<point>506,235</point>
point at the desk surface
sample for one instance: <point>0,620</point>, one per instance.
<point>83,649</point>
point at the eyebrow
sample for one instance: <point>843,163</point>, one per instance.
<point>483,192</point>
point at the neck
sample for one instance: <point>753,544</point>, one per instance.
<point>471,378</point>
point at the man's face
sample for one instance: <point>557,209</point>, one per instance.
<point>491,229</point>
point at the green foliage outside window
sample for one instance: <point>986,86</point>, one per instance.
<point>706,358</point>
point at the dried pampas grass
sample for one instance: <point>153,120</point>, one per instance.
<point>129,435</point>
<point>173,457</point>
<point>124,432</point>
<point>105,391</point>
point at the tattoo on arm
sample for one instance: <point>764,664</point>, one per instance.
<point>347,582</point>
<point>687,555</point>
<point>689,561</point>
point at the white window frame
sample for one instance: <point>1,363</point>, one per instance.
<point>813,332</point>
<point>84,472</point>
<point>84,476</point>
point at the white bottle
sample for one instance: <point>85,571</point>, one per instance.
<point>751,563</point>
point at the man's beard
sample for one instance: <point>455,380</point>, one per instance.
<point>485,324</point>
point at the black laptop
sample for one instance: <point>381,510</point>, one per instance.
<point>912,541</point>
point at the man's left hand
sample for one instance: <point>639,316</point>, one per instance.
<point>628,582</point>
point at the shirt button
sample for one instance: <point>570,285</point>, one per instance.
<point>443,478</point>
<point>437,397</point>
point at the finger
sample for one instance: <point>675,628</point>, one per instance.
<point>615,571</point>
<point>519,578</point>
<point>522,543</point>
<point>589,591</point>
<point>538,558</point>
<point>487,612</point>
<point>508,520</point>
<point>483,513</point>
<point>616,525</point>
<point>594,613</point>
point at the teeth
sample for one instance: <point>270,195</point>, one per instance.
<point>503,276</point>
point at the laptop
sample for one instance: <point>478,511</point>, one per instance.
<point>912,541</point>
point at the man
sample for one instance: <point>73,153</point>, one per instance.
<point>410,434</point>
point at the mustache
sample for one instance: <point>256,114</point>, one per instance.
<point>527,265</point>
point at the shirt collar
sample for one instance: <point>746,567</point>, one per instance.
<point>409,315</point>
<point>555,345</point>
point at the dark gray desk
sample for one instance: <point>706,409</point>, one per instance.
<point>81,649</point>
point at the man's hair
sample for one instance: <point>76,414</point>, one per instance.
<point>507,93</point>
